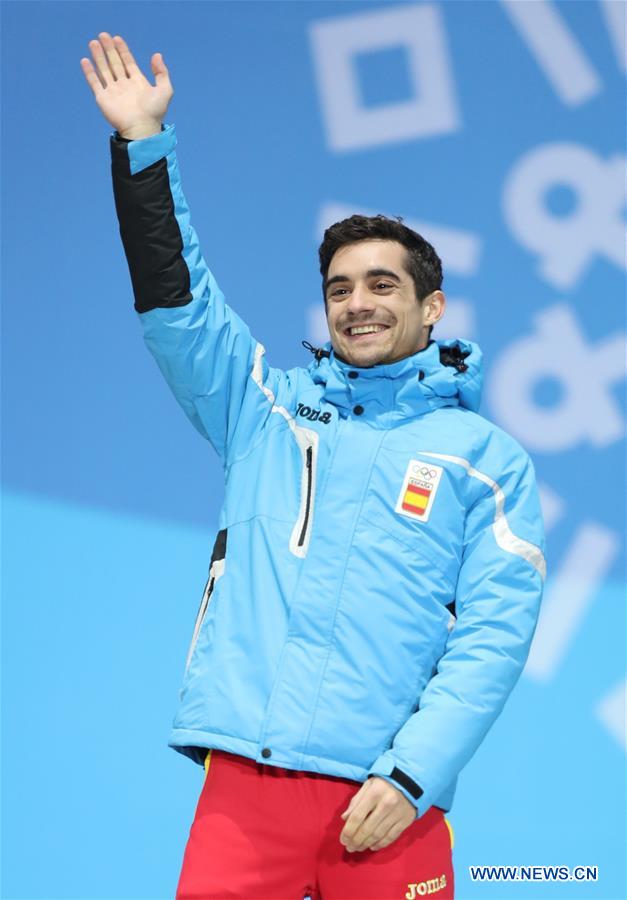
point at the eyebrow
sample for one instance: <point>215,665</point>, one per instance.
<point>369,274</point>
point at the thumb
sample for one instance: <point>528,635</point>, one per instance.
<point>353,801</point>
<point>349,808</point>
<point>159,68</point>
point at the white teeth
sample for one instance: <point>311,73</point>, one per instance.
<point>366,329</point>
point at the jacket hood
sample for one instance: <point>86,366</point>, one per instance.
<point>444,373</point>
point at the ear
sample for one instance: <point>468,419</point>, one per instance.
<point>433,307</point>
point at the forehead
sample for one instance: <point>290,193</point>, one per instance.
<point>355,259</point>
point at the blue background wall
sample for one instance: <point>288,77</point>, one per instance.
<point>495,128</point>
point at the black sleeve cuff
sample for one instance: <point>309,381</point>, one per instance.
<point>408,783</point>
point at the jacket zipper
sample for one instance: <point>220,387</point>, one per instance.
<point>301,539</point>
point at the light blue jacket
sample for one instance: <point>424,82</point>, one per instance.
<point>378,569</point>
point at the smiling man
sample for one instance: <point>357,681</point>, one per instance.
<point>378,565</point>
<point>376,311</point>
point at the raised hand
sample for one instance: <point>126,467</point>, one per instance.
<point>127,100</point>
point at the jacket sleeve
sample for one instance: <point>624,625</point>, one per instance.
<point>215,368</point>
<point>497,604</point>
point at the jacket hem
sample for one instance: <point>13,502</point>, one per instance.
<point>194,744</point>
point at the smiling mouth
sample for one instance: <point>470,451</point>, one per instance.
<point>378,328</point>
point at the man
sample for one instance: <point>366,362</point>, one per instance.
<point>377,573</point>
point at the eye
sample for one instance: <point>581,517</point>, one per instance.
<point>383,284</point>
<point>336,291</point>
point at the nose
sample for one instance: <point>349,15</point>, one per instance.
<point>360,300</point>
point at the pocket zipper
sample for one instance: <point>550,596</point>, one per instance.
<point>301,532</point>
<point>301,539</point>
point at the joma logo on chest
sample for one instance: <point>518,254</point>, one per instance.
<point>314,415</point>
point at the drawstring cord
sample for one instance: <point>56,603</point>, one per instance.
<point>318,352</point>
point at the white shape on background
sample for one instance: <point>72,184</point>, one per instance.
<point>566,244</point>
<point>555,49</point>
<point>569,594</point>
<point>611,712</point>
<point>458,321</point>
<point>459,250</point>
<point>416,28</point>
<point>553,506</point>
<point>558,349</point>
<point>615,14</point>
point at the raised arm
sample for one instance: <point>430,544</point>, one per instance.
<point>215,368</point>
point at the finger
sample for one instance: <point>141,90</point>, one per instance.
<point>350,807</point>
<point>102,67</point>
<point>92,78</point>
<point>112,56</point>
<point>374,829</point>
<point>126,56</point>
<point>388,838</point>
<point>362,808</point>
<point>360,836</point>
<point>356,798</point>
<point>383,834</point>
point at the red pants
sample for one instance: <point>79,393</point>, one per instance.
<point>274,834</point>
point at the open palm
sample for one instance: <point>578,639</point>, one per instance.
<point>127,100</point>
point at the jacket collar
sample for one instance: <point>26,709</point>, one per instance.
<point>405,389</point>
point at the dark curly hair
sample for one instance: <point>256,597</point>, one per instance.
<point>421,261</point>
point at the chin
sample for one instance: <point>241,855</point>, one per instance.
<point>365,359</point>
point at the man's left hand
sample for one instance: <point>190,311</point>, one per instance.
<point>388,814</point>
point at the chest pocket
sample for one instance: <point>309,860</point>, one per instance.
<point>421,506</point>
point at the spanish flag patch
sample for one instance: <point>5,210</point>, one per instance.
<point>418,490</point>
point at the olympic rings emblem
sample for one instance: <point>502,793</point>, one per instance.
<point>424,471</point>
